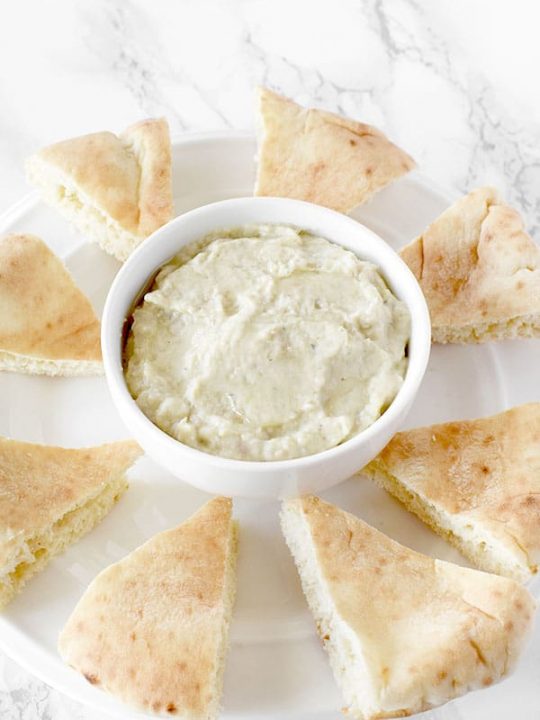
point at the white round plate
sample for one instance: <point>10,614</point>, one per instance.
<point>275,666</point>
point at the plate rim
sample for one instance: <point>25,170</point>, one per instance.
<point>43,672</point>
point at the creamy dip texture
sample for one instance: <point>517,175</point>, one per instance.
<point>267,343</point>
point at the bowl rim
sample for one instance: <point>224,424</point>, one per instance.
<point>111,337</point>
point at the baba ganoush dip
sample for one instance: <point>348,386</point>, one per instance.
<point>266,343</point>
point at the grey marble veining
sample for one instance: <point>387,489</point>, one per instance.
<point>411,67</point>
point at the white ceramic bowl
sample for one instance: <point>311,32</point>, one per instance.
<point>279,478</point>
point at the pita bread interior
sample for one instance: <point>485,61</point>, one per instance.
<point>321,157</point>
<point>47,325</point>
<point>404,632</point>
<point>479,271</point>
<point>152,629</point>
<point>49,498</point>
<point>476,483</point>
<point>115,189</point>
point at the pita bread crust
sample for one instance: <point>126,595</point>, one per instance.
<point>485,472</point>
<point>149,140</point>
<point>102,167</point>
<point>49,498</point>
<point>479,271</point>
<point>315,155</point>
<point>149,629</point>
<point>127,178</point>
<point>44,315</point>
<point>429,630</point>
<point>41,483</point>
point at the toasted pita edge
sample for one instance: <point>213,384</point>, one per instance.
<point>519,326</point>
<point>88,361</point>
<point>150,140</point>
<point>39,549</point>
<point>155,700</point>
<point>150,143</point>
<point>303,181</point>
<point>493,557</point>
<point>524,326</point>
<point>351,670</point>
<point>14,362</point>
<point>507,557</point>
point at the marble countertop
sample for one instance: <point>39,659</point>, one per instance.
<point>449,82</point>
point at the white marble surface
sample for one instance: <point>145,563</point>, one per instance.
<point>454,83</point>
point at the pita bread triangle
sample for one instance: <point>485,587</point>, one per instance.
<point>152,629</point>
<point>404,632</point>
<point>49,498</point>
<point>315,155</point>
<point>47,326</point>
<point>116,189</point>
<point>479,271</point>
<point>476,483</point>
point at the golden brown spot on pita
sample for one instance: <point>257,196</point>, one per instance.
<point>442,675</point>
<point>518,605</point>
<point>479,654</point>
<point>326,638</point>
<point>318,167</point>
<point>171,708</point>
<point>487,681</point>
<point>369,170</point>
<point>132,636</point>
<point>181,666</point>
<point>520,285</point>
<point>385,673</point>
<point>352,142</point>
<point>484,469</point>
<point>508,625</point>
<point>92,679</point>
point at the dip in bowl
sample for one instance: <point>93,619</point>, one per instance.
<point>264,346</point>
<point>266,343</point>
